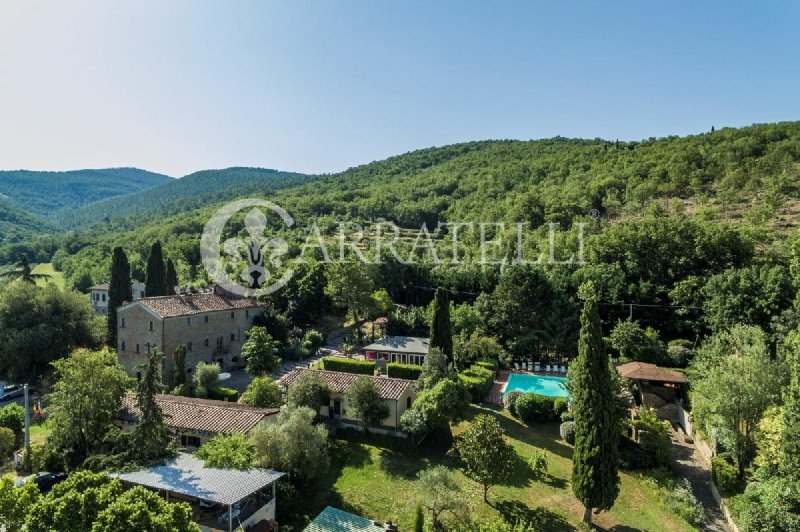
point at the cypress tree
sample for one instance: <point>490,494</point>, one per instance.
<point>119,291</point>
<point>595,479</point>
<point>172,277</point>
<point>156,278</point>
<point>150,437</point>
<point>790,441</point>
<point>441,329</point>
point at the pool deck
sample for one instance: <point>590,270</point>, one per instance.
<point>495,395</point>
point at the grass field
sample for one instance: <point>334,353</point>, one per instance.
<point>375,477</point>
<point>46,268</point>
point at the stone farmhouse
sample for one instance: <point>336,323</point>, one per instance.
<point>98,295</point>
<point>212,326</point>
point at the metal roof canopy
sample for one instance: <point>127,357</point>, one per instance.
<point>400,344</point>
<point>186,475</point>
<point>335,520</point>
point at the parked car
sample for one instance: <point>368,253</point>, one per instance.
<point>12,392</point>
<point>44,480</point>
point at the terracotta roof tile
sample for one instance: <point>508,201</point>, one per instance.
<point>185,305</point>
<point>650,372</point>
<point>339,382</point>
<point>201,414</point>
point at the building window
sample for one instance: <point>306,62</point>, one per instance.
<point>137,349</point>
<point>408,402</point>
<point>189,346</point>
<point>103,297</point>
<point>219,342</point>
<point>189,321</point>
<point>188,370</point>
<point>151,325</point>
<point>122,323</point>
<point>122,346</point>
<point>205,319</point>
<point>246,313</point>
<point>190,441</point>
<point>233,315</point>
<point>205,342</point>
<point>233,337</point>
<point>138,375</point>
<point>147,346</point>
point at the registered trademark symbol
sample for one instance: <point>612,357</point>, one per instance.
<point>594,214</point>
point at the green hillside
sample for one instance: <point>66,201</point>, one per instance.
<point>43,193</point>
<point>180,195</point>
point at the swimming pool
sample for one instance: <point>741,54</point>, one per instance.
<point>541,384</point>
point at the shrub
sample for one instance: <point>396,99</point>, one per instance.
<point>510,401</point>
<point>313,340</point>
<point>772,504</point>
<point>13,417</point>
<point>683,502</point>
<point>403,371</point>
<point>679,356</point>
<point>559,406</point>
<point>535,408</point>
<point>567,431</point>
<point>8,442</point>
<point>725,474</point>
<point>348,365</point>
<point>478,380</point>
<point>539,463</point>
<point>224,394</point>
<point>42,457</point>
<point>653,436</point>
<point>567,416</point>
<point>632,456</point>
<point>184,389</point>
<point>263,392</point>
<point>488,363</point>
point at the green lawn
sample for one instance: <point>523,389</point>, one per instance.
<point>374,477</point>
<point>46,268</point>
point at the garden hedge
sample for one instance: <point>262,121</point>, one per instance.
<point>725,474</point>
<point>348,365</point>
<point>535,408</point>
<point>403,371</point>
<point>478,380</point>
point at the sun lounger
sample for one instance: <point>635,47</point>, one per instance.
<point>516,365</point>
<point>564,370</point>
<point>547,368</point>
<point>537,367</point>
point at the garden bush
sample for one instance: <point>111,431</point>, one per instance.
<point>12,417</point>
<point>403,371</point>
<point>559,406</point>
<point>653,436</point>
<point>510,401</point>
<point>772,504</point>
<point>682,501</point>
<point>348,365</point>
<point>221,393</point>
<point>478,381</point>
<point>535,408</point>
<point>539,463</point>
<point>8,442</point>
<point>567,431</point>
<point>489,363</point>
<point>725,474</point>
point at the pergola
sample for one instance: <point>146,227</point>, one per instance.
<point>645,374</point>
<point>186,475</point>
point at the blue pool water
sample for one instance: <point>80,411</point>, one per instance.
<point>541,384</point>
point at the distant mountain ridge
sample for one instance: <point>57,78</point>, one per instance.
<point>43,193</point>
<point>179,195</point>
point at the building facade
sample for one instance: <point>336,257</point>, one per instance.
<point>399,395</point>
<point>401,349</point>
<point>212,326</point>
<point>98,295</point>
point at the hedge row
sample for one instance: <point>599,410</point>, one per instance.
<point>534,408</point>
<point>478,379</point>
<point>348,365</point>
<point>403,371</point>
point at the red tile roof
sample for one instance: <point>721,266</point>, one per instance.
<point>650,372</point>
<point>201,414</point>
<point>185,305</point>
<point>339,382</point>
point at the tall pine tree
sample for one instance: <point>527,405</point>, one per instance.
<point>595,479</point>
<point>119,291</point>
<point>172,277</point>
<point>156,282</point>
<point>441,329</point>
<point>790,440</point>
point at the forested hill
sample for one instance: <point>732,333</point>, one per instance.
<point>43,193</point>
<point>180,195</point>
<point>749,173</point>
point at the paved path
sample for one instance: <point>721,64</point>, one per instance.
<point>686,463</point>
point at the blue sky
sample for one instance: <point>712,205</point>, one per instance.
<point>175,86</point>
